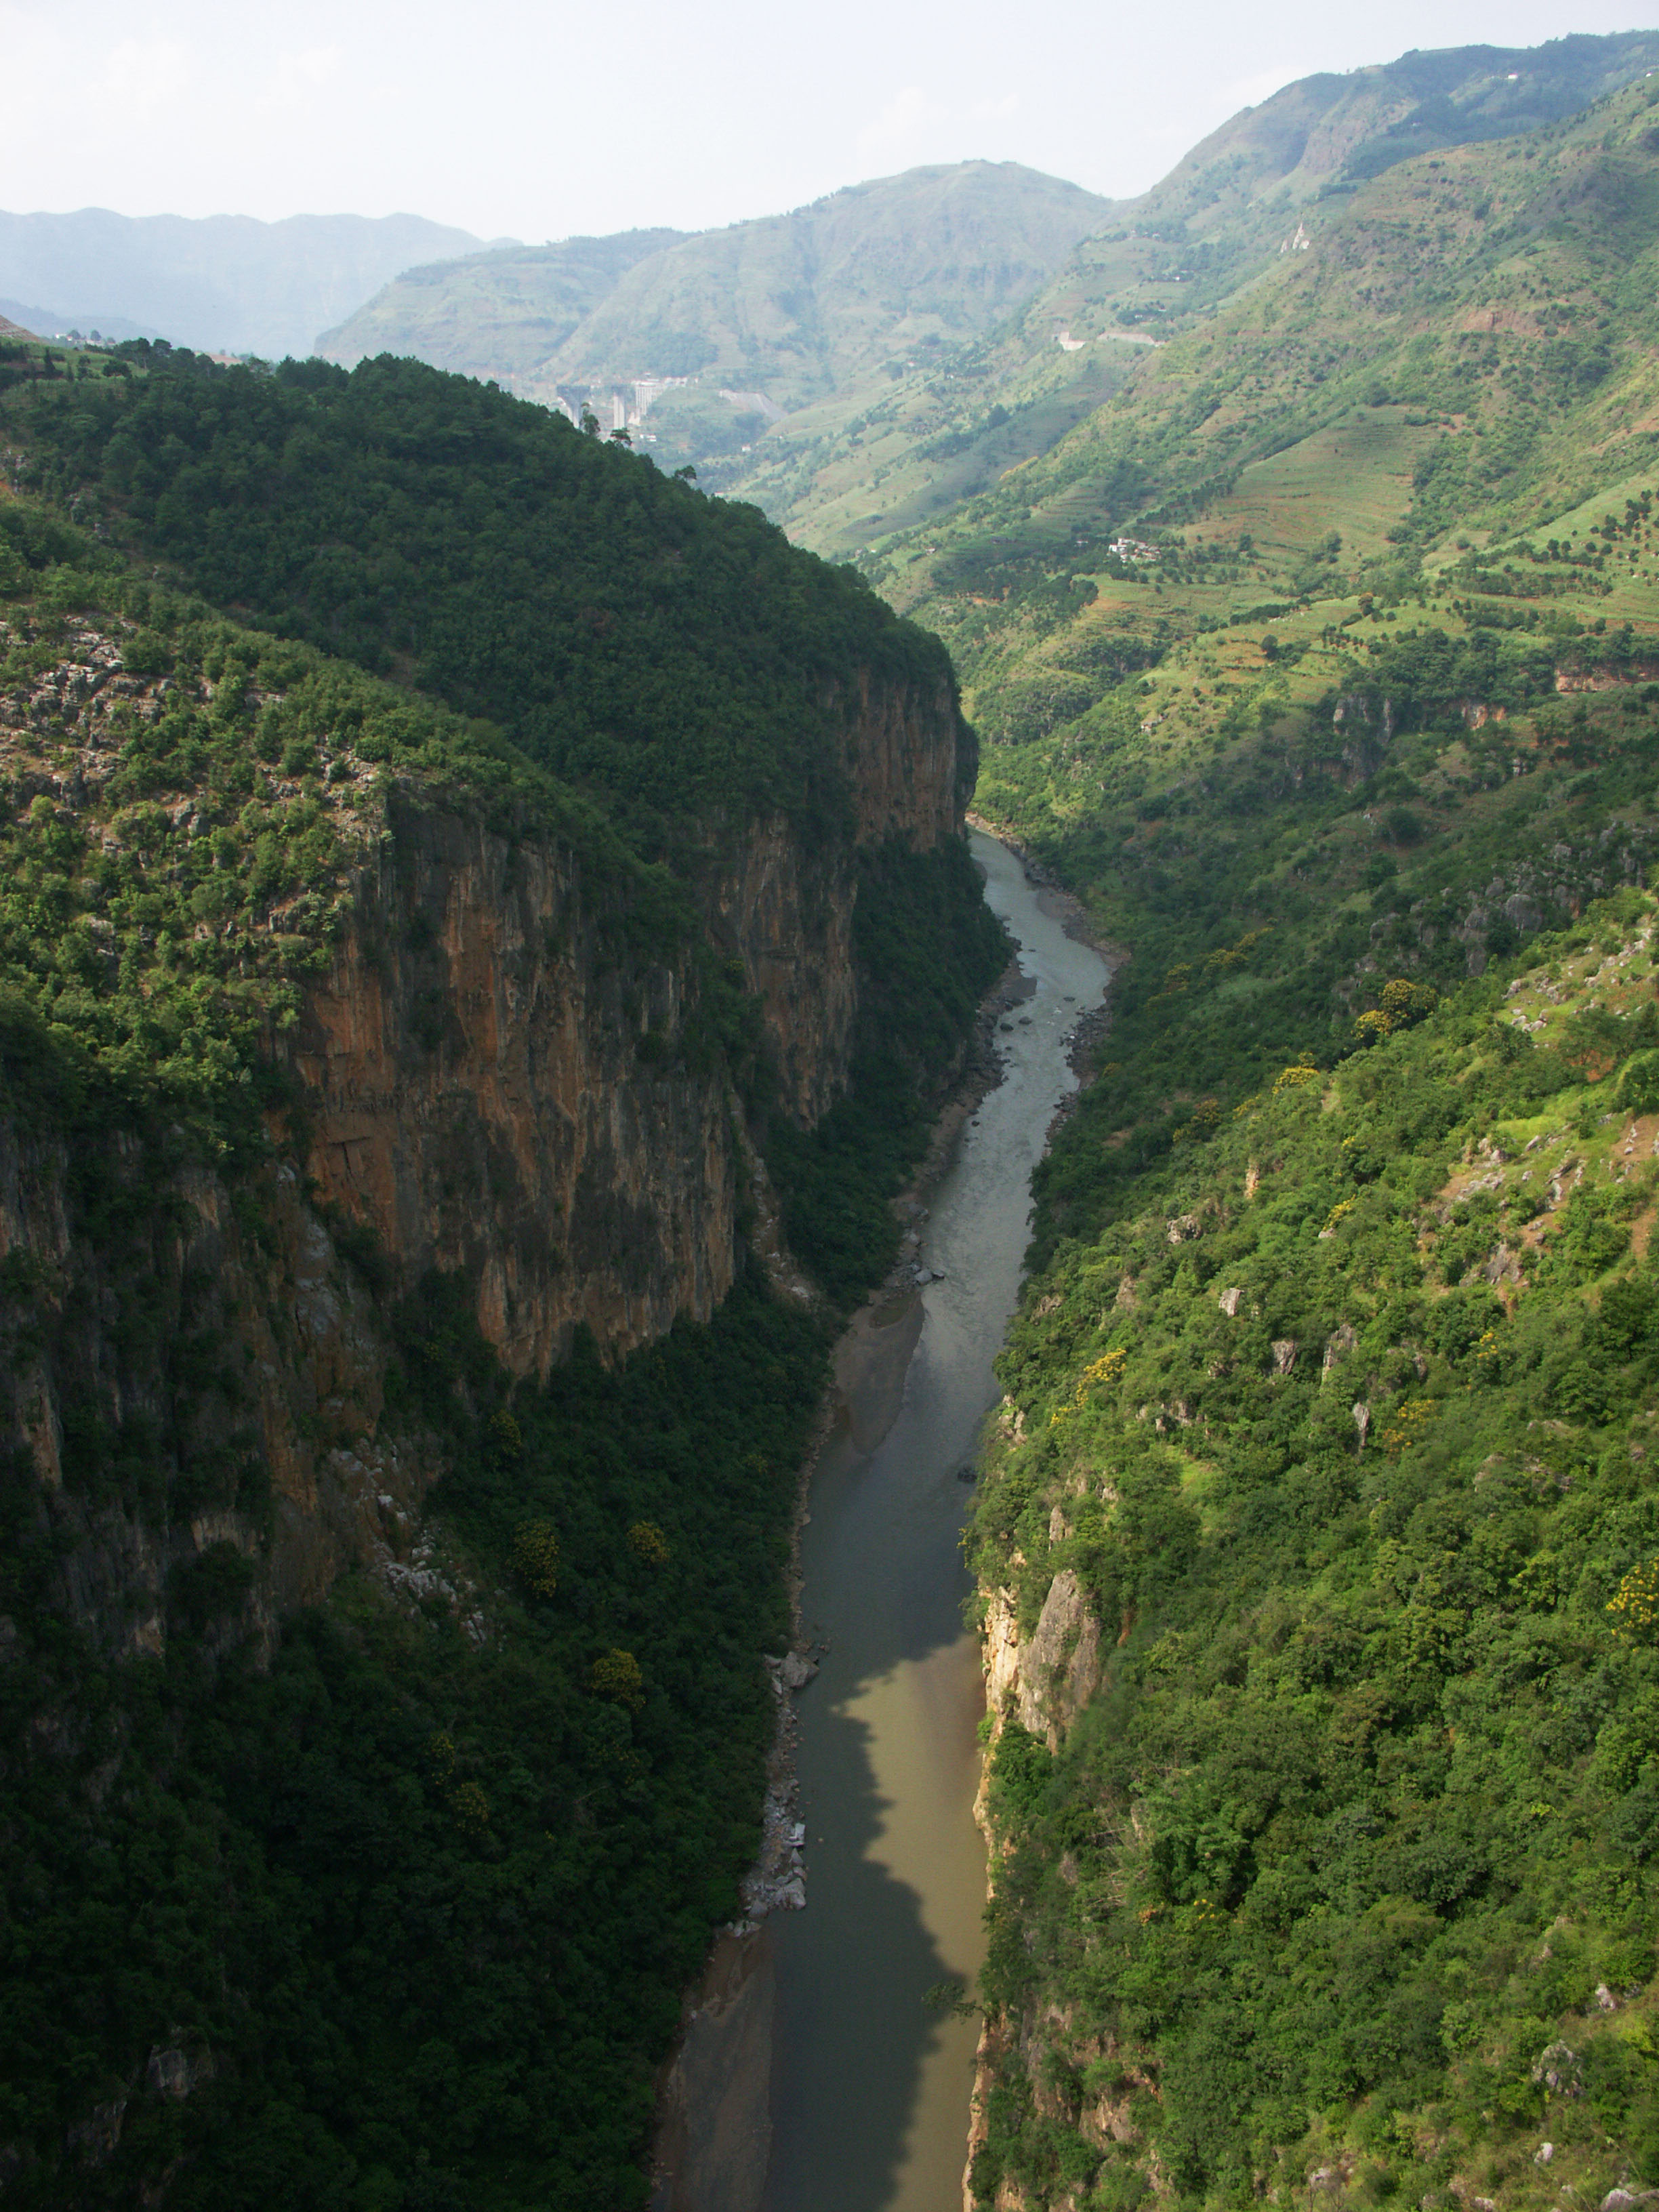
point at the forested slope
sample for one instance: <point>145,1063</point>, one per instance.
<point>1317,1546</point>
<point>1342,1420</point>
<point>666,652</point>
<point>383,1709</point>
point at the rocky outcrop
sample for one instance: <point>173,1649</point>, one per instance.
<point>492,1089</point>
<point>1045,1682</point>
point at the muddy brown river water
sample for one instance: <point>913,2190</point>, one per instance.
<point>869,2091</point>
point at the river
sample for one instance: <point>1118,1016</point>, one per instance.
<point>869,2088</point>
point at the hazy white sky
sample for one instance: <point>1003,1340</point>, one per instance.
<point>536,122</point>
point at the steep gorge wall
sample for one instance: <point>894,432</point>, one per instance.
<point>495,1079</point>
<point>482,1095</point>
<point>186,1379</point>
<point>911,760</point>
<point>493,1089</point>
<point>342,1045</point>
<point>1041,1679</point>
<point>782,903</point>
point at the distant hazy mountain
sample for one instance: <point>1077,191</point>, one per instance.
<point>224,284</point>
<point>47,322</point>
<point>766,315</point>
<point>499,315</point>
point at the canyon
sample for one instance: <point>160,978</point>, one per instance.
<point>474,985</point>
<point>405,1364</point>
<point>487,1084</point>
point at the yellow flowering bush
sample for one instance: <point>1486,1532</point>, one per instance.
<point>1634,1606</point>
<point>615,1674</point>
<point>647,1541</point>
<point>1099,1375</point>
<point>536,1557</point>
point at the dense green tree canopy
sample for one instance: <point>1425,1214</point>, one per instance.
<point>671,652</point>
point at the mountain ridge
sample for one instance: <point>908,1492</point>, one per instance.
<point>759,316</point>
<point>566,280</point>
<point>1227,212</point>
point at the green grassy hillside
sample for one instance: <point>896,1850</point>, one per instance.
<point>864,365</point>
<point>1321,661</point>
<point>1228,209</point>
<point>1442,401</point>
<point>850,473</point>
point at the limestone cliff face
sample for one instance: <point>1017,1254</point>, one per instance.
<point>786,914</point>
<point>911,761</point>
<point>499,1077</point>
<point>1042,1681</point>
<point>492,1089</point>
<point>783,901</point>
<point>1047,1680</point>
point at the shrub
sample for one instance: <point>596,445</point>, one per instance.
<point>615,1674</point>
<point>536,1557</point>
<point>1638,1090</point>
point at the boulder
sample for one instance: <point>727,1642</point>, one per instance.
<point>1524,912</point>
<point>1059,1670</point>
<point>1338,1346</point>
<point>1559,2069</point>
